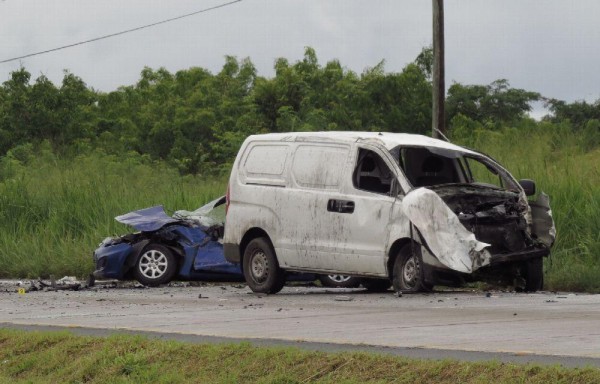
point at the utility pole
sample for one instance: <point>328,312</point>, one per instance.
<point>439,84</point>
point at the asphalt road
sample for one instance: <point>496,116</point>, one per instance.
<point>543,327</point>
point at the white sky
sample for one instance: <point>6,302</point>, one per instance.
<point>548,46</point>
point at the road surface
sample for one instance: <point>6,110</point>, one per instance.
<point>563,327</point>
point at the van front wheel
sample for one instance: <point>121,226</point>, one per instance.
<point>261,269</point>
<point>407,275</point>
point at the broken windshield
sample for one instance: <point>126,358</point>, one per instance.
<point>427,166</point>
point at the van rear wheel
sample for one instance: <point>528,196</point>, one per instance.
<point>261,269</point>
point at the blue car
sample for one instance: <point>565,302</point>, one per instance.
<point>187,246</point>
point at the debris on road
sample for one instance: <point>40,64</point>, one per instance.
<point>343,298</point>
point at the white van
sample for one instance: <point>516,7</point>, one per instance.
<point>390,208</point>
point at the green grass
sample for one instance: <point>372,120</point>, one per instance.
<point>60,357</point>
<point>54,212</point>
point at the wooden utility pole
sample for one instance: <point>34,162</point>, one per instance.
<point>439,84</point>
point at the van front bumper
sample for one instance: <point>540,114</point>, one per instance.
<point>524,255</point>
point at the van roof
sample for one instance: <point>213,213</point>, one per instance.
<point>388,139</point>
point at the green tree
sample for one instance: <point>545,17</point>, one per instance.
<point>493,105</point>
<point>578,112</point>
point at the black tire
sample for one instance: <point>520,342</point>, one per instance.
<point>156,265</point>
<point>339,281</point>
<point>407,273</point>
<point>376,285</point>
<point>533,272</point>
<point>261,269</point>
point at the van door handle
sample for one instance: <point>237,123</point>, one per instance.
<point>340,206</point>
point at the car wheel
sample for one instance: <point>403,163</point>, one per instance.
<point>156,265</point>
<point>534,274</point>
<point>407,274</point>
<point>376,285</point>
<point>261,269</point>
<point>339,281</point>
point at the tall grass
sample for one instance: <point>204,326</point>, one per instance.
<point>54,212</point>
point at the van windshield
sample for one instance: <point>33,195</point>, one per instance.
<point>427,166</point>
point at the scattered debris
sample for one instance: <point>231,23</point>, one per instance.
<point>177,284</point>
<point>343,298</point>
<point>67,280</point>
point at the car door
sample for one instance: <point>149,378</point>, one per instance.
<point>308,235</point>
<point>364,231</point>
<point>348,216</point>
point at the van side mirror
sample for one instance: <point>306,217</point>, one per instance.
<point>528,186</point>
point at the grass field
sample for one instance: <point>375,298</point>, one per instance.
<point>54,212</point>
<point>33,357</point>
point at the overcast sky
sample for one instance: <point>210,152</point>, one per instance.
<point>548,46</point>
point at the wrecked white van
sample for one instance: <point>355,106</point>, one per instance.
<point>394,209</point>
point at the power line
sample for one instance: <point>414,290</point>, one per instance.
<point>122,32</point>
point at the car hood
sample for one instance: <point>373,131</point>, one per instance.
<point>147,219</point>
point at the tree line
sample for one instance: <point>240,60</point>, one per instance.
<point>196,120</point>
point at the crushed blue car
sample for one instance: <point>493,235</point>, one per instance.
<point>186,246</point>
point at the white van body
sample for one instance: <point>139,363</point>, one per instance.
<point>336,203</point>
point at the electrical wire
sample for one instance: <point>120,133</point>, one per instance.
<point>122,32</point>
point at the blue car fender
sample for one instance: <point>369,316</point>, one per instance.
<point>136,251</point>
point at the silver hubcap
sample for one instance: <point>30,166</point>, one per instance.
<point>409,272</point>
<point>260,266</point>
<point>339,278</point>
<point>153,264</point>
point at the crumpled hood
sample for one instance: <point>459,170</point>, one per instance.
<point>453,245</point>
<point>147,219</point>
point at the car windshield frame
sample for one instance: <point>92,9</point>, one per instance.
<point>509,183</point>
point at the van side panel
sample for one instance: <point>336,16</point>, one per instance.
<point>284,188</point>
<point>316,172</point>
<point>258,173</point>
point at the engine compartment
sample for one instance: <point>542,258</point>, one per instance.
<point>496,217</point>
